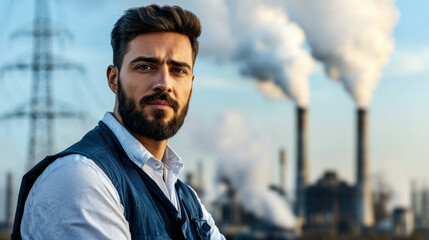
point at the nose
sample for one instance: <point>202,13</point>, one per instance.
<point>163,81</point>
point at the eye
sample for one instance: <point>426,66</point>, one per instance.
<point>144,67</point>
<point>179,70</point>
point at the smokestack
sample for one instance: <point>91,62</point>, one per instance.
<point>9,195</point>
<point>364,209</point>
<point>302,162</point>
<point>282,163</point>
<point>201,177</point>
<point>415,203</point>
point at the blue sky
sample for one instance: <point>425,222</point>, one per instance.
<point>399,129</point>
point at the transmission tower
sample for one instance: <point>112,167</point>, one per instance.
<point>41,108</point>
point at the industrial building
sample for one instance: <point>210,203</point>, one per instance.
<point>330,205</point>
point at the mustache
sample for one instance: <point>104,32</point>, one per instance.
<point>159,96</point>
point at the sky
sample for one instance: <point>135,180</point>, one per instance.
<point>232,123</point>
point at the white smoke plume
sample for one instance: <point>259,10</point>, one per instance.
<point>352,38</point>
<point>244,158</point>
<point>268,48</point>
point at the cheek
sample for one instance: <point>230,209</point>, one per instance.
<point>136,84</point>
<point>137,92</point>
<point>186,94</point>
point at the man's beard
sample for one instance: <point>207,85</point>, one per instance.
<point>134,118</point>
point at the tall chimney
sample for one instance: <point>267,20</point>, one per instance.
<point>9,196</point>
<point>201,177</point>
<point>415,203</point>
<point>301,162</point>
<point>364,208</point>
<point>282,163</point>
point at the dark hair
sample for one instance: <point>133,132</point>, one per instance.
<point>149,19</point>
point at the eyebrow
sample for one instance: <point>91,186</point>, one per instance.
<point>145,59</point>
<point>179,64</point>
<point>157,61</point>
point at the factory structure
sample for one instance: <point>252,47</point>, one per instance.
<point>330,205</point>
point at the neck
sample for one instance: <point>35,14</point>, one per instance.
<point>156,148</point>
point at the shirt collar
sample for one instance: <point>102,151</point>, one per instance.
<point>172,161</point>
<point>136,151</point>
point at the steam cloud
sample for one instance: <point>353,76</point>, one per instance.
<point>244,158</point>
<point>268,49</point>
<point>352,38</point>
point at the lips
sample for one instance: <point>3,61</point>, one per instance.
<point>160,104</point>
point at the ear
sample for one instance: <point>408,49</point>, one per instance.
<point>112,78</point>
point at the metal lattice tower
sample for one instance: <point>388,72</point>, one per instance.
<point>41,112</point>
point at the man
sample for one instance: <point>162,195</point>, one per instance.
<point>121,180</point>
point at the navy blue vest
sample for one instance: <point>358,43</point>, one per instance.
<point>148,211</point>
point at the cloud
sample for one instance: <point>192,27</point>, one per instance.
<point>407,62</point>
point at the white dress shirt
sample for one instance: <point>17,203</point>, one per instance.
<point>74,199</point>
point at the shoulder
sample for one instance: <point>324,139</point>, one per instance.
<point>69,177</point>
<point>71,190</point>
<point>75,171</point>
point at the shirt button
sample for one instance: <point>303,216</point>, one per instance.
<point>157,165</point>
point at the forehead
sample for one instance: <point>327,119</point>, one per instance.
<point>162,45</point>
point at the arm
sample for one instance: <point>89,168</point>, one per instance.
<point>74,199</point>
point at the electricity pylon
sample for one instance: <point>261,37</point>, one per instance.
<point>41,108</point>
